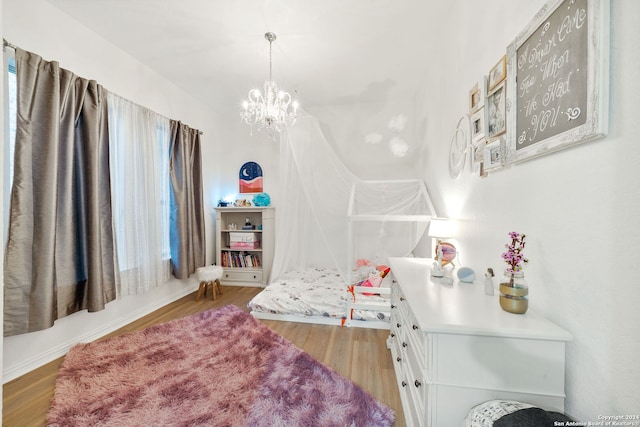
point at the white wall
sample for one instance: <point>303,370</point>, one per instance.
<point>241,145</point>
<point>350,128</point>
<point>39,27</point>
<point>579,207</point>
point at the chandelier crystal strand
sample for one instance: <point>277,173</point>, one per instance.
<point>269,109</point>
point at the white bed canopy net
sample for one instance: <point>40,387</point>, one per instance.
<point>328,218</point>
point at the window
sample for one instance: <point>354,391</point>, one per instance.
<point>11,108</point>
<point>139,162</point>
<point>139,156</point>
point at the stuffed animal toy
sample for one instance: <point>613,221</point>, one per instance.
<point>375,279</point>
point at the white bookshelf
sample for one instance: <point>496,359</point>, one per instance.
<point>245,266</point>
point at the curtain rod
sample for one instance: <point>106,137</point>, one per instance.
<point>5,43</point>
<point>150,110</point>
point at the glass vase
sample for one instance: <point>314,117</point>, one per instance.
<point>514,293</point>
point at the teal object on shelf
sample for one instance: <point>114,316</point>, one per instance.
<point>261,199</point>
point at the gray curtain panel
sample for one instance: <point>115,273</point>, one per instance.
<point>187,236</point>
<point>59,257</point>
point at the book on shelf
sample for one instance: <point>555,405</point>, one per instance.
<point>240,259</point>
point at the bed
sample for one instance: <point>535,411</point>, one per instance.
<point>383,218</point>
<point>319,295</point>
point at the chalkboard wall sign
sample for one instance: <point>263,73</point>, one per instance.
<point>558,79</point>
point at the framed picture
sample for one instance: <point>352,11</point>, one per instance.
<point>477,152</point>
<point>476,96</point>
<point>497,111</point>
<point>473,165</point>
<point>478,126</point>
<point>562,96</point>
<point>483,172</point>
<point>497,73</point>
<point>493,156</point>
<point>250,178</point>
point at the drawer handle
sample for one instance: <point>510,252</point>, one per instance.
<point>404,344</point>
<point>398,325</point>
<point>402,298</point>
<point>393,306</point>
<point>415,328</point>
<point>417,383</point>
<point>404,383</point>
<point>393,335</point>
<point>399,359</point>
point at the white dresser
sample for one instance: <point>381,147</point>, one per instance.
<point>453,347</point>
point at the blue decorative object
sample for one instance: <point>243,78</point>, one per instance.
<point>262,199</point>
<point>466,275</point>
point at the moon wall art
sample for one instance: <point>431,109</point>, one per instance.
<point>251,178</point>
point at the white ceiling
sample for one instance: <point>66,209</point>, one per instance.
<point>327,51</point>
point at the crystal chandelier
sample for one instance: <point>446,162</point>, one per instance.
<point>269,109</point>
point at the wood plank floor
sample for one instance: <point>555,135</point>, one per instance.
<point>356,353</point>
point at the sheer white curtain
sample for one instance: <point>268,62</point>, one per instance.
<point>313,219</point>
<point>311,216</point>
<point>139,144</point>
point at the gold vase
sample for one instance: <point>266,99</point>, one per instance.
<point>514,293</point>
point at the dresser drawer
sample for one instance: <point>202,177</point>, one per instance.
<point>417,337</point>
<point>500,363</point>
<point>417,388</point>
<point>399,301</point>
<point>243,275</point>
<point>394,330</point>
<point>409,405</point>
<point>414,359</point>
<point>395,297</point>
<point>398,353</point>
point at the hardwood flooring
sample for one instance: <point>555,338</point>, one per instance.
<point>356,353</point>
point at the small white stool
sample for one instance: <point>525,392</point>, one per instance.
<point>209,275</point>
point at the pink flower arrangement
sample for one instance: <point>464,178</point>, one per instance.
<point>514,256</point>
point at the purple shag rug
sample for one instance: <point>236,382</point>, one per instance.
<point>217,368</point>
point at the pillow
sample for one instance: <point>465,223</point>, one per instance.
<point>510,413</point>
<point>532,417</point>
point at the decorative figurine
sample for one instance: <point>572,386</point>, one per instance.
<point>247,224</point>
<point>488,282</point>
<point>436,268</point>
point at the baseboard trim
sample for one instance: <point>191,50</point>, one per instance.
<point>63,348</point>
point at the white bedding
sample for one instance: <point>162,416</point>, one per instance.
<point>315,292</point>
